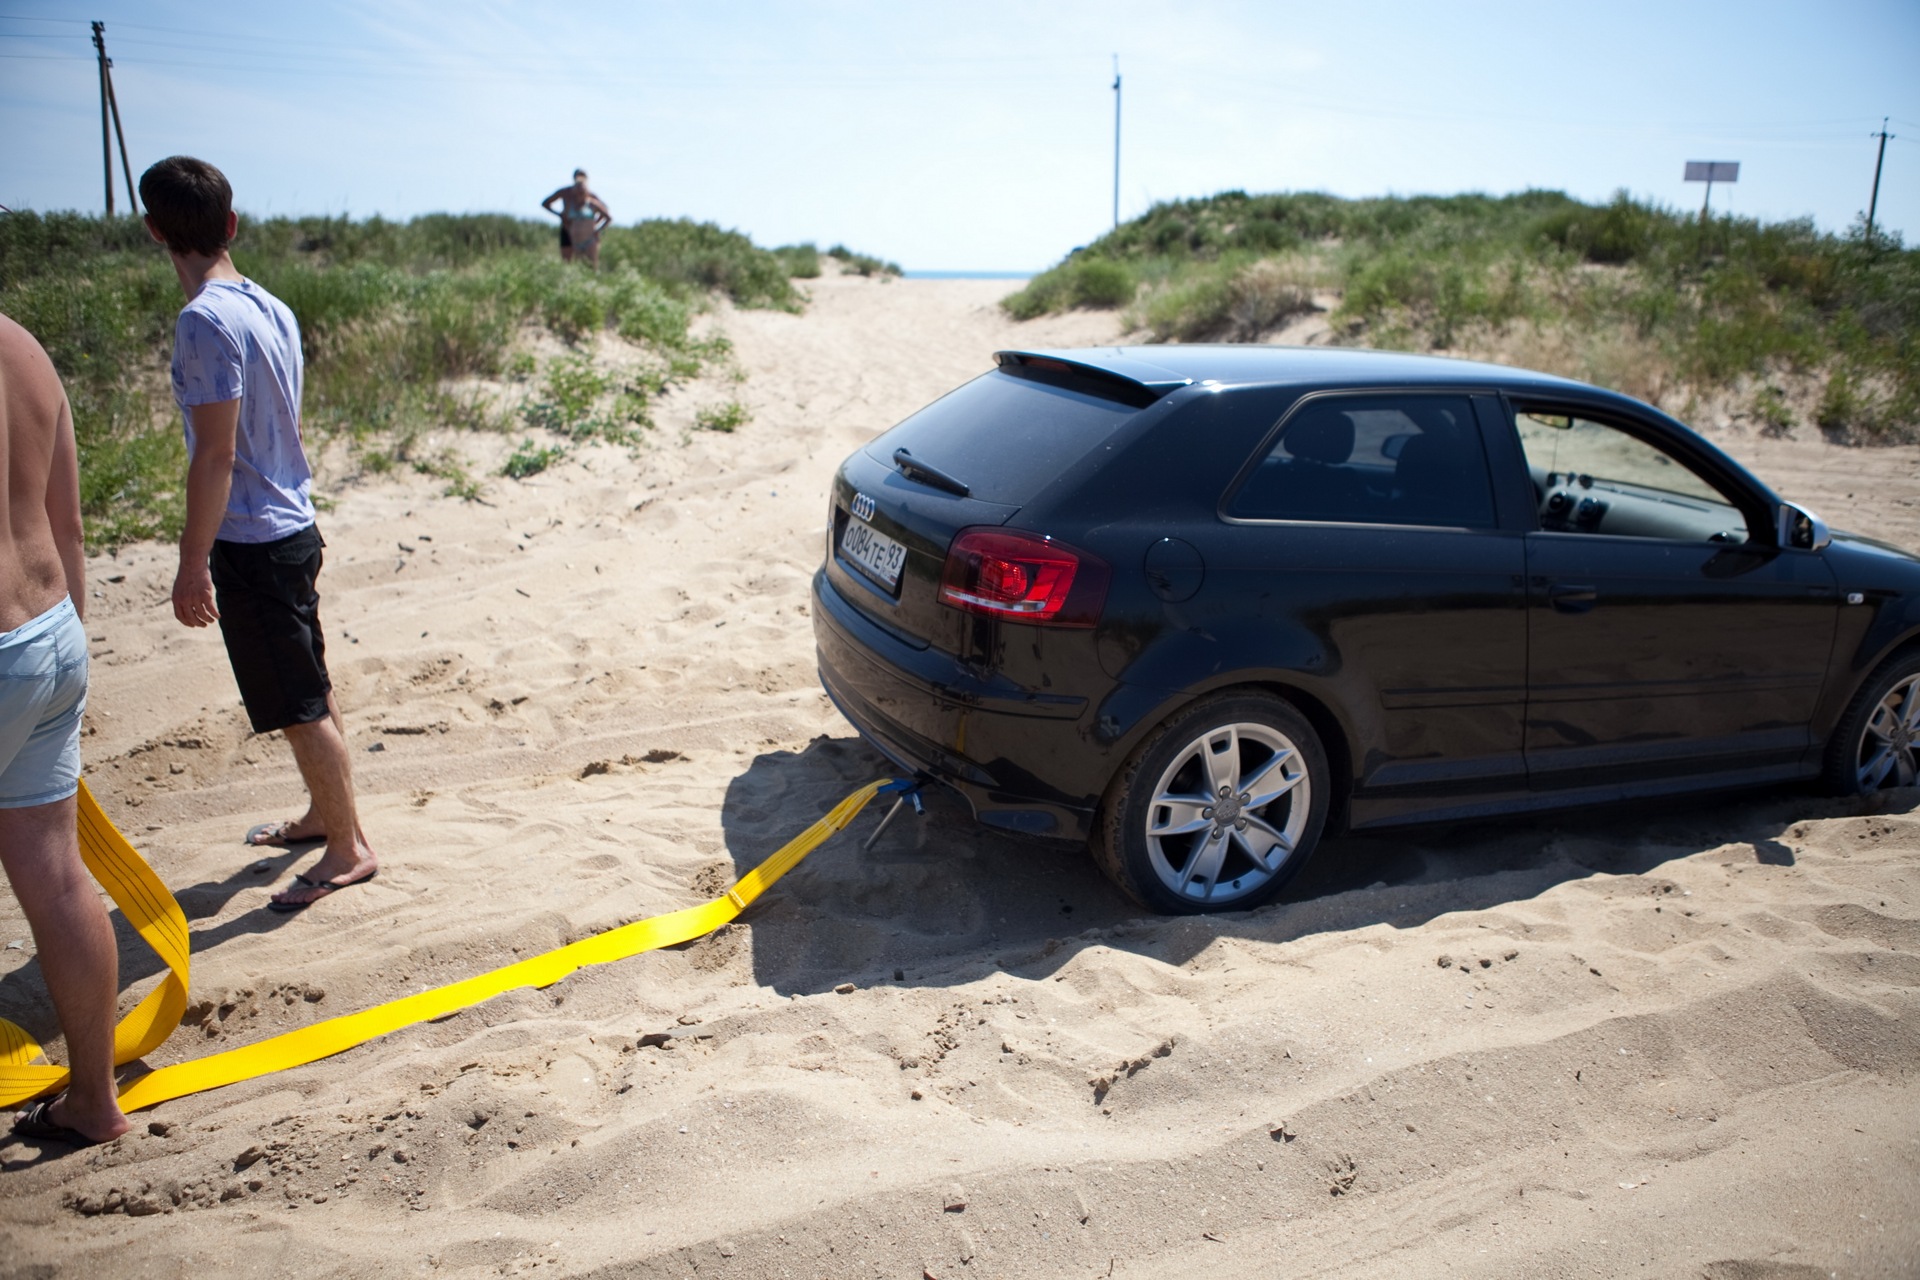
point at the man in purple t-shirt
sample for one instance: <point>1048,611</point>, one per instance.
<point>250,553</point>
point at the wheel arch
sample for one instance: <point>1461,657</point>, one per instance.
<point>1333,740</point>
<point>1335,737</point>
<point>1835,711</point>
<point>1837,750</point>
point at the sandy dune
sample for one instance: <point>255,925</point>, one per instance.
<point>1677,1041</point>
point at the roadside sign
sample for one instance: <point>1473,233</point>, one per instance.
<point>1713,171</point>
<point>1710,172</point>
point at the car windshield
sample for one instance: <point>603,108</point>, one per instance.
<point>1005,437</point>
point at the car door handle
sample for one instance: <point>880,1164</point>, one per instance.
<point>1568,598</point>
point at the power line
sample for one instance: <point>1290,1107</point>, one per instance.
<point>307,61</point>
<point>277,46</point>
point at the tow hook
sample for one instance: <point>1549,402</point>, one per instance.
<point>909,793</point>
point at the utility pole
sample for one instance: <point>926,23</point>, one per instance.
<point>1873,202</point>
<point>106,138</point>
<point>1116,141</point>
<point>110,104</point>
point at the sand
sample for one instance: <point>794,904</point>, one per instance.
<point>1679,1040</point>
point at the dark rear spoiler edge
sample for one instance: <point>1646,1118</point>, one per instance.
<point>1138,391</point>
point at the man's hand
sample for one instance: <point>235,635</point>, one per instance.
<point>193,595</point>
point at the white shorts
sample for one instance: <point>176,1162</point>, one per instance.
<point>43,693</point>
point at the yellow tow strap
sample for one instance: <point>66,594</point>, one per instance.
<point>151,910</point>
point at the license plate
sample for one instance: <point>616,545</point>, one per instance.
<point>873,552</point>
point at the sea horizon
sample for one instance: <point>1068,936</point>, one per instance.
<point>969,275</point>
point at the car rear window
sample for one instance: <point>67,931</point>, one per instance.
<point>1399,459</point>
<point>1005,436</point>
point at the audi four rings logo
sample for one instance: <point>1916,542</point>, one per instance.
<point>863,506</point>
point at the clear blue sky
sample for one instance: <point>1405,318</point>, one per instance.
<point>968,136</point>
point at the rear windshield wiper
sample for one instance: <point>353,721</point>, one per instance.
<point>914,469</point>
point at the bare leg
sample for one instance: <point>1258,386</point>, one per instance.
<point>310,825</point>
<point>320,749</point>
<point>40,849</point>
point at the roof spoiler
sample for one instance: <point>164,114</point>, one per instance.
<point>1117,376</point>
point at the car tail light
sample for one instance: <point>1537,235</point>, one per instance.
<point>1023,577</point>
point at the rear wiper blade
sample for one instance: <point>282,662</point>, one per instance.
<point>913,469</point>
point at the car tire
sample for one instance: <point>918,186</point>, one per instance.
<point>1877,742</point>
<point>1177,844</point>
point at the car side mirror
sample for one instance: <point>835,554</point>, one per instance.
<point>1802,530</point>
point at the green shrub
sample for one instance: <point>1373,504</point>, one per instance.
<point>1651,293</point>
<point>574,386</point>
<point>802,261</point>
<point>389,312</point>
<point>730,416</point>
<point>1232,301</point>
<point>1082,280</point>
<point>862,264</point>
<point>699,256</point>
<point>530,459</point>
<point>1102,282</point>
<point>1852,410</point>
<point>584,403</point>
<point>1769,408</point>
<point>1615,233</point>
<point>645,312</point>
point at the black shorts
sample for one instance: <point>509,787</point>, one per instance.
<point>270,619</point>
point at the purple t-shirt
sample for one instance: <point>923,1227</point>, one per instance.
<point>236,341</point>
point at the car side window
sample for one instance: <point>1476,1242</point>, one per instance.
<point>1591,477</point>
<point>1393,459</point>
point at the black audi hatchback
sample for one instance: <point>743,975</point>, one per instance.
<point>1198,605</point>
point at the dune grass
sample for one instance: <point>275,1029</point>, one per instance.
<point>392,315</point>
<point>1641,297</point>
<point>728,417</point>
<point>802,261</point>
<point>862,264</point>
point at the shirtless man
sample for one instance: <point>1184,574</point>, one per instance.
<point>582,218</point>
<point>43,691</point>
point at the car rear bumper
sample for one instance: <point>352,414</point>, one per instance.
<point>1019,757</point>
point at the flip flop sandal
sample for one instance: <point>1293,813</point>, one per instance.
<point>273,835</point>
<point>327,887</point>
<point>36,1124</point>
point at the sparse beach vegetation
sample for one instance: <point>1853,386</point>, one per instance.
<point>1084,280</point>
<point>802,261</point>
<point>394,316</point>
<point>862,264</point>
<point>530,459</point>
<point>1797,326</point>
<point>727,417</point>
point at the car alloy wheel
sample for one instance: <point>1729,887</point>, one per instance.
<point>1208,829</point>
<point>1890,739</point>
<point>1218,809</point>
<point>1877,742</point>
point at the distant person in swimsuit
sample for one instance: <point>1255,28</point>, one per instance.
<point>583,215</point>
